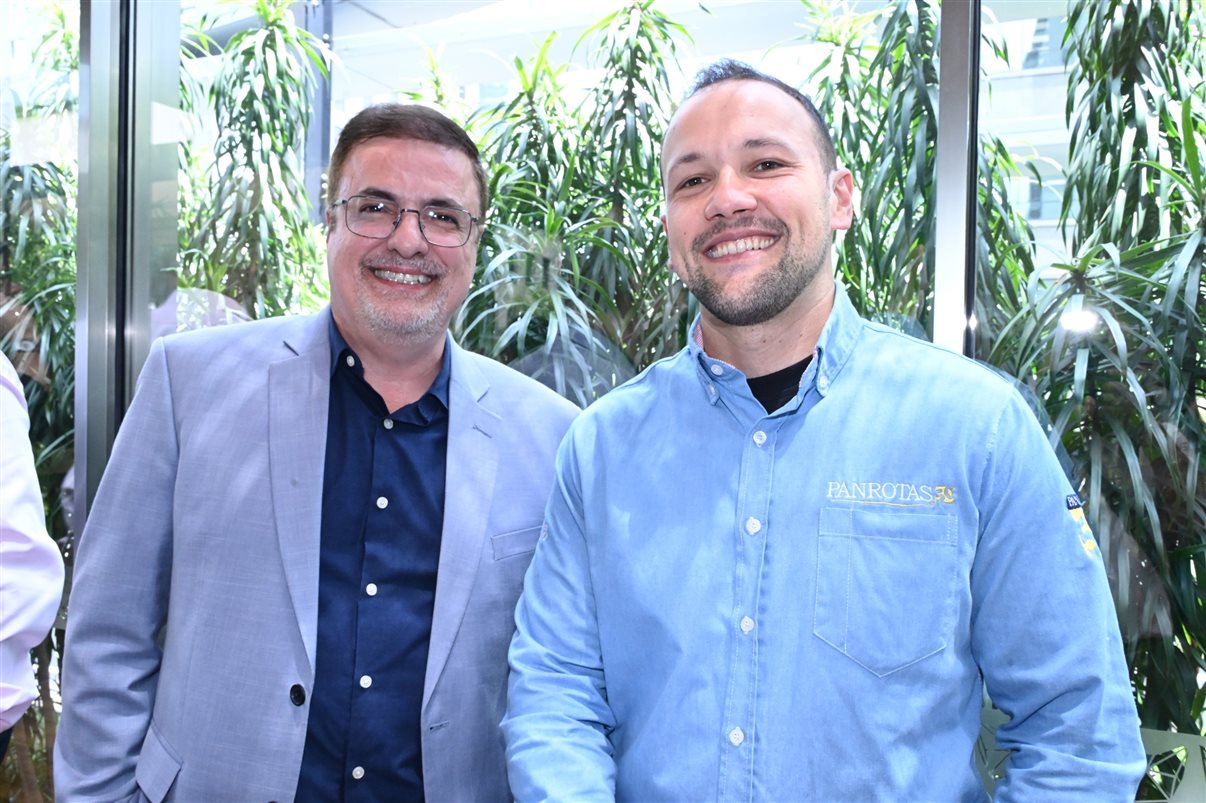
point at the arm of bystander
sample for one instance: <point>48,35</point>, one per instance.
<point>31,568</point>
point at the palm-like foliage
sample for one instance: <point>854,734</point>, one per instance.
<point>248,234</point>
<point>878,84</point>
<point>574,282</point>
<point>1122,406</point>
<point>1127,396</point>
<point>531,295</point>
<point>626,119</point>
<point>879,91</point>
<point>1132,65</point>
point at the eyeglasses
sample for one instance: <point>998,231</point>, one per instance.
<point>443,226</point>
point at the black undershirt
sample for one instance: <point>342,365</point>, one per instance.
<point>777,389</point>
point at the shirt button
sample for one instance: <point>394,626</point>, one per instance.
<point>297,694</point>
<point>747,624</point>
<point>382,503</point>
<point>759,438</point>
<point>358,772</point>
<point>736,737</point>
<point>371,589</point>
<point>365,681</point>
<point>351,361</point>
<point>822,384</point>
<point>388,423</point>
<point>717,370</point>
<point>753,526</point>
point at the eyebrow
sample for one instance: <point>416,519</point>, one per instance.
<point>376,192</point>
<point>763,142</point>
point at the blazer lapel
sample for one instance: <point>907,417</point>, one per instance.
<point>298,397</point>
<point>471,462</point>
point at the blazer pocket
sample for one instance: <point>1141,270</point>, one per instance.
<point>157,767</point>
<point>517,542</point>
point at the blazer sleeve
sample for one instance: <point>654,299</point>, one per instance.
<point>118,603</point>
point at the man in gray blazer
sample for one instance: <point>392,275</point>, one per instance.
<point>298,577</point>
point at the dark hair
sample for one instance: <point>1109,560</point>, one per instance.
<point>404,121</point>
<point>731,70</point>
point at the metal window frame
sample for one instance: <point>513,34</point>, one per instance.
<point>126,234</point>
<point>955,180</point>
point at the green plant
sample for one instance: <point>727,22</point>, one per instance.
<point>574,282</point>
<point>1131,65</point>
<point>877,84</point>
<point>878,90</point>
<point>1127,394</point>
<point>245,229</point>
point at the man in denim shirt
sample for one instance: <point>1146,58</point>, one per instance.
<point>783,564</point>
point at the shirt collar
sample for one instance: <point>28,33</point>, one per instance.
<point>340,350</point>
<point>834,346</point>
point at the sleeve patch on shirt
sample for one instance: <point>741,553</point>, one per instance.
<point>1087,542</point>
<point>1073,501</point>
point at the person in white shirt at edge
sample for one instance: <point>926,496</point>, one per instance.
<point>783,564</point>
<point>31,568</point>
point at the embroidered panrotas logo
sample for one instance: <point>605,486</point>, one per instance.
<point>895,494</point>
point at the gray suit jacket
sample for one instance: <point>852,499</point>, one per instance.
<point>193,614</point>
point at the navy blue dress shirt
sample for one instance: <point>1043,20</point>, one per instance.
<point>382,514</point>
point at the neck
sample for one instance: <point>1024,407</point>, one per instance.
<point>767,347</point>
<point>401,372</point>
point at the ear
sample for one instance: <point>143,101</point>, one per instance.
<point>330,218</point>
<point>841,199</point>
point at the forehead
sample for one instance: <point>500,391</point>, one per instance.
<point>731,113</point>
<point>411,165</point>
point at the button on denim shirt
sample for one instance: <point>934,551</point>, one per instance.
<point>807,605</point>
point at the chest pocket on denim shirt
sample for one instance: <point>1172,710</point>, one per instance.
<point>885,584</point>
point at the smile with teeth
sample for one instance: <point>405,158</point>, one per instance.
<point>740,246</point>
<point>401,278</point>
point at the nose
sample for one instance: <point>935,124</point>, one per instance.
<point>730,196</point>
<point>406,238</point>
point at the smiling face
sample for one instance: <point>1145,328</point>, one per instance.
<point>400,290</point>
<point>750,209</point>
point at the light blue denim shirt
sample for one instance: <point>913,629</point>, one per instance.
<point>730,605</point>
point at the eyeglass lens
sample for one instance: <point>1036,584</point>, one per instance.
<point>376,217</point>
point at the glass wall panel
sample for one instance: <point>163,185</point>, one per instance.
<point>1092,298</point>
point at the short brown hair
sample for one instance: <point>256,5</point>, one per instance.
<point>732,70</point>
<point>404,121</point>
